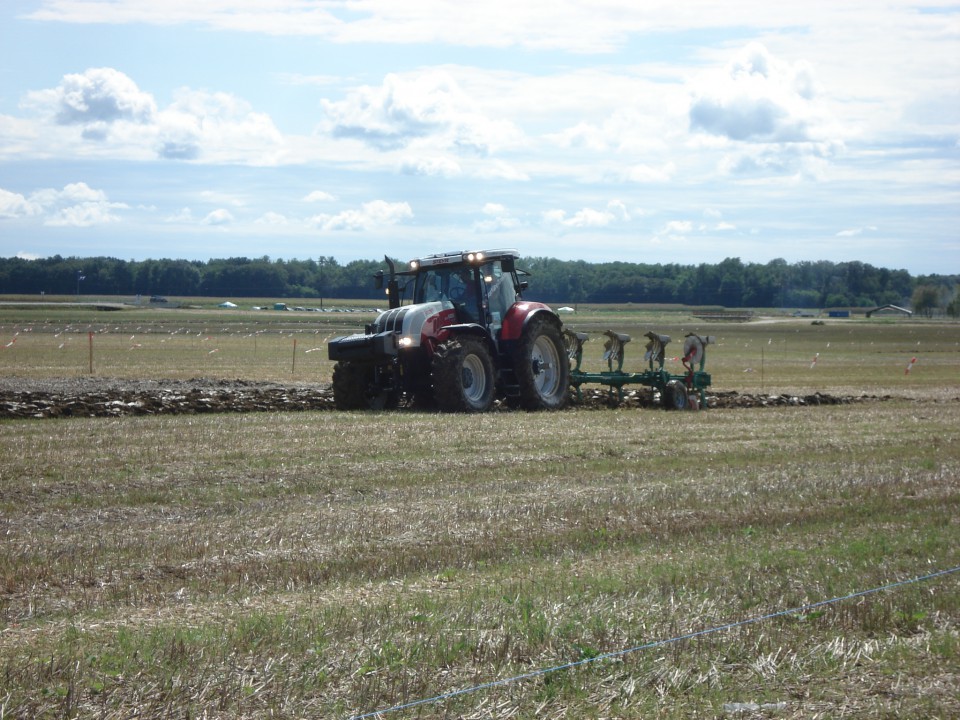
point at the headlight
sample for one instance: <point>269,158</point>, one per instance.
<point>405,342</point>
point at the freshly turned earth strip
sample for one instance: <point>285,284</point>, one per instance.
<point>113,397</point>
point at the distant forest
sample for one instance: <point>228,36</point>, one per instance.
<point>731,283</point>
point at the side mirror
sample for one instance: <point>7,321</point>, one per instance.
<point>507,265</point>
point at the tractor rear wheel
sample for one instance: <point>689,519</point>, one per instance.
<point>542,367</point>
<point>463,375</point>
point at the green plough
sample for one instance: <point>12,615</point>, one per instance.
<point>677,392</point>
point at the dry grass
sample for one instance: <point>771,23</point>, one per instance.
<point>772,355</point>
<point>322,565</point>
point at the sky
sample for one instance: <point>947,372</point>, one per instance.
<point>685,132</point>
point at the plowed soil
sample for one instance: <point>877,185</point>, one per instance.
<point>113,397</point>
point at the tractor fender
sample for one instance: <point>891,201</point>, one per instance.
<point>470,329</point>
<point>520,315</point>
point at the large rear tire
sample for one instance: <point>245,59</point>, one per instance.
<point>542,366</point>
<point>463,376</point>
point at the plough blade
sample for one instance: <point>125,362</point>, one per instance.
<point>656,348</point>
<point>573,342</point>
<point>614,348</point>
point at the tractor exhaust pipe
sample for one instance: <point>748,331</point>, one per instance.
<point>393,287</point>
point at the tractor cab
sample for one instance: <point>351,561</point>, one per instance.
<point>456,287</point>
<point>480,287</point>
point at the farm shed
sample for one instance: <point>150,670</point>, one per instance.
<point>892,308</point>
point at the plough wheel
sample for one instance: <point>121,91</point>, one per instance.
<point>675,396</point>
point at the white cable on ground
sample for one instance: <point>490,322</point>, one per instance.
<point>648,646</point>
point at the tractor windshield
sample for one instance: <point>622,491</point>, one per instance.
<point>457,285</point>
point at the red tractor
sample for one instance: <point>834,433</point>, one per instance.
<point>465,339</point>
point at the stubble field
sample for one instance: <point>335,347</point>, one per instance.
<point>317,564</point>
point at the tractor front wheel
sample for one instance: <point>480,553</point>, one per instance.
<point>463,375</point>
<point>354,388</point>
<point>542,367</point>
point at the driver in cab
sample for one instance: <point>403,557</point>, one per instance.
<point>463,293</point>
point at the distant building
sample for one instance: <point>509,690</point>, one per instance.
<point>892,308</point>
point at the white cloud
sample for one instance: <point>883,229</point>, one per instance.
<point>569,25</point>
<point>218,127</point>
<point>72,193</point>
<point>14,205</point>
<point>183,215</point>
<point>499,170</point>
<point>279,17</point>
<point>84,215</point>
<point>220,198</point>
<point>179,135</point>
<point>758,98</point>
<point>272,218</point>
<point>617,207</point>
<point>854,232</point>
<point>585,218</point>
<point>430,166</point>
<point>377,213</point>
<point>499,219</point>
<point>123,122</point>
<point>809,159</point>
<point>76,205</point>
<point>94,100</point>
<point>643,116</point>
<point>582,135</point>
<point>646,174</point>
<point>677,227</point>
<point>218,217</point>
<point>427,106</point>
<point>318,196</point>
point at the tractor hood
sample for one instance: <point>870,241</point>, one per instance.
<point>408,321</point>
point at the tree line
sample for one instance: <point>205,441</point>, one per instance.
<point>730,283</point>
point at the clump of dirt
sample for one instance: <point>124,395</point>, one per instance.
<point>732,399</point>
<point>114,397</point>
